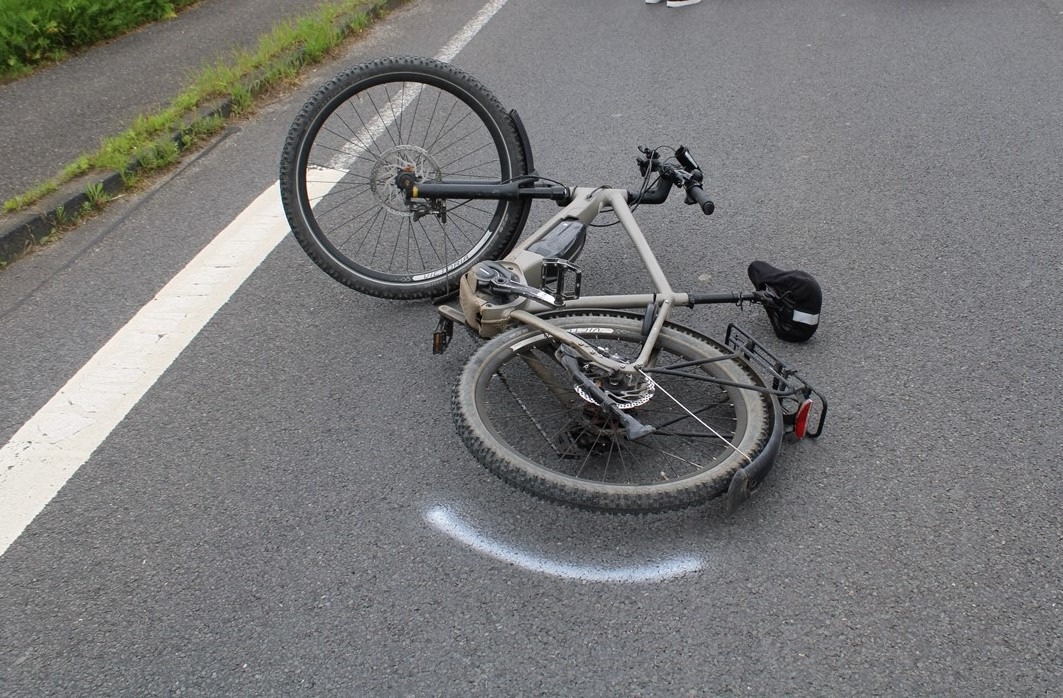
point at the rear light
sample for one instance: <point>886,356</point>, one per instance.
<point>801,419</point>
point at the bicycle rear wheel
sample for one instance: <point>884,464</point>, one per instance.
<point>357,133</point>
<point>519,412</point>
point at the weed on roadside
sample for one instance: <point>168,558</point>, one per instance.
<point>95,194</point>
<point>155,140</point>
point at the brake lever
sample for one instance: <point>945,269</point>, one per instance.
<point>649,163</point>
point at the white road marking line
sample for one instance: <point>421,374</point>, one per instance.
<point>470,30</point>
<point>60,438</point>
<point>55,442</point>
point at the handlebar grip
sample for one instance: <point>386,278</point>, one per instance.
<point>696,195</point>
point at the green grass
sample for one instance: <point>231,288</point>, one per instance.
<point>36,31</point>
<point>149,144</point>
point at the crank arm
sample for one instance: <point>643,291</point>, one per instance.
<point>519,289</point>
<point>496,279</point>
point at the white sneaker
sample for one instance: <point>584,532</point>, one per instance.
<point>678,3</point>
<point>654,2</point>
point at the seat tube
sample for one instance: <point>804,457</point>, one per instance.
<point>618,200</point>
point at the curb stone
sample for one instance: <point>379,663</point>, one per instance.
<point>22,230</point>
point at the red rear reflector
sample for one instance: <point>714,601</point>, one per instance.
<point>801,419</point>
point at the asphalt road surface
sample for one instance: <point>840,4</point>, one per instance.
<point>288,510</point>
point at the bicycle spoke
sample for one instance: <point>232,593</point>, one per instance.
<point>360,149</point>
<point>694,421</point>
<point>350,144</point>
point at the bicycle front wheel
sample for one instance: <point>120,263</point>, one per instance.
<point>357,133</point>
<point>523,417</point>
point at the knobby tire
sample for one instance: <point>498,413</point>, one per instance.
<point>357,133</point>
<point>518,412</point>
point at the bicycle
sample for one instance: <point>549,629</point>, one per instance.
<point>406,178</point>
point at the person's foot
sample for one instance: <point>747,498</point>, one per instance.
<point>674,3</point>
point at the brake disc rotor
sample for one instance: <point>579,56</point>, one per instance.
<point>626,397</point>
<point>390,164</point>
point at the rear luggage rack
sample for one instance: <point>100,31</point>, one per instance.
<point>791,389</point>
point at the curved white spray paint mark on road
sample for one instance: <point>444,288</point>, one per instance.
<point>444,521</point>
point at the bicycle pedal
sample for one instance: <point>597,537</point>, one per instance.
<point>441,337</point>
<point>562,279</point>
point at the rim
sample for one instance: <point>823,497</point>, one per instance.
<point>368,134</point>
<point>556,431</point>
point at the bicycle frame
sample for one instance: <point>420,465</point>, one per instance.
<point>585,204</point>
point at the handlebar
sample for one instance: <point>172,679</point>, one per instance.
<point>684,174</point>
<point>687,176</point>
